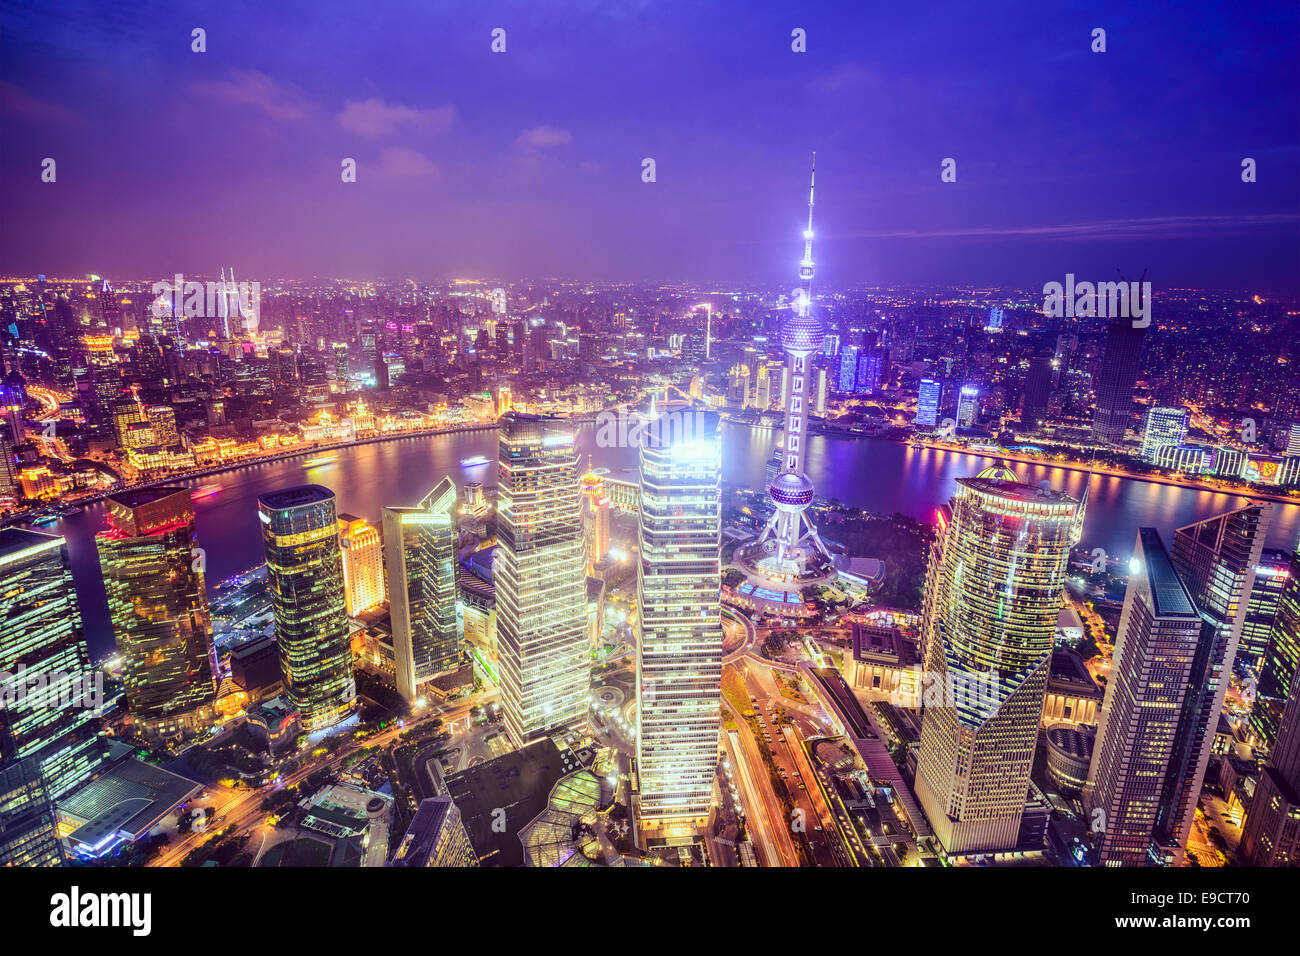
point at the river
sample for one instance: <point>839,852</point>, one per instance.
<point>873,474</point>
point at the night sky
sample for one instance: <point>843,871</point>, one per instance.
<point>528,163</point>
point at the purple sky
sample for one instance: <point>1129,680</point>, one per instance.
<point>528,162</point>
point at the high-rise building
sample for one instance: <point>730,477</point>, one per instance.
<point>993,592</point>
<point>541,584</point>
<point>1281,658</point>
<point>153,577</point>
<point>1216,560</point>
<point>1164,427</point>
<point>29,833</point>
<point>1120,362</point>
<point>846,380</point>
<point>363,564</point>
<point>420,544</point>
<point>300,536</point>
<point>595,520</point>
<point>1037,391</point>
<point>928,394</point>
<point>1271,577</point>
<point>679,649</point>
<point>1155,647</point>
<point>791,494</point>
<point>436,837</point>
<point>967,406</point>
<point>53,694</point>
<point>1271,836</point>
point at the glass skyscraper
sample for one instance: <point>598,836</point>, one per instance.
<point>679,650</point>
<point>927,402</point>
<point>1216,560</point>
<point>300,535</point>
<point>420,547</point>
<point>1155,648</point>
<point>1165,426</point>
<point>992,595</point>
<point>1120,362</point>
<point>49,709</point>
<point>153,577</point>
<point>541,584</point>
<point>1281,658</point>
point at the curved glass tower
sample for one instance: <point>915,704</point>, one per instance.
<point>791,492</point>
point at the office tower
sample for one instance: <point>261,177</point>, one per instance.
<point>1271,835</point>
<point>1120,361</point>
<point>871,370</point>
<point>791,493</point>
<point>436,837</point>
<point>595,519</point>
<point>1271,577</point>
<point>679,648</point>
<point>1155,647</point>
<point>541,585</point>
<point>29,833</point>
<point>420,545</point>
<point>1164,427</point>
<point>153,577</point>
<point>763,389</point>
<point>8,469</point>
<point>993,592</point>
<point>363,564</point>
<point>967,405</point>
<point>928,394</point>
<point>1216,560</point>
<point>1281,658</point>
<point>994,323</point>
<point>300,536</point>
<point>52,693</point>
<point>1037,391</point>
<point>847,379</point>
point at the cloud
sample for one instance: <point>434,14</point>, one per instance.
<point>373,117</point>
<point>15,101</point>
<point>1154,227</point>
<point>543,137</point>
<point>255,89</point>
<point>399,162</point>
<point>847,76</point>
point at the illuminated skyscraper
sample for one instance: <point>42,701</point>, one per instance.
<point>363,564</point>
<point>993,592</point>
<point>1216,560</point>
<point>1281,659</point>
<point>1159,629</point>
<point>967,406</point>
<point>420,544</point>
<point>153,576</point>
<point>1165,426</point>
<point>29,833</point>
<point>300,536</point>
<point>927,402</point>
<point>802,334</point>
<point>1271,835</point>
<point>541,584</point>
<point>51,693</point>
<point>595,519</point>
<point>679,649</point>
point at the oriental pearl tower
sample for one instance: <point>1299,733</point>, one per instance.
<point>791,492</point>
